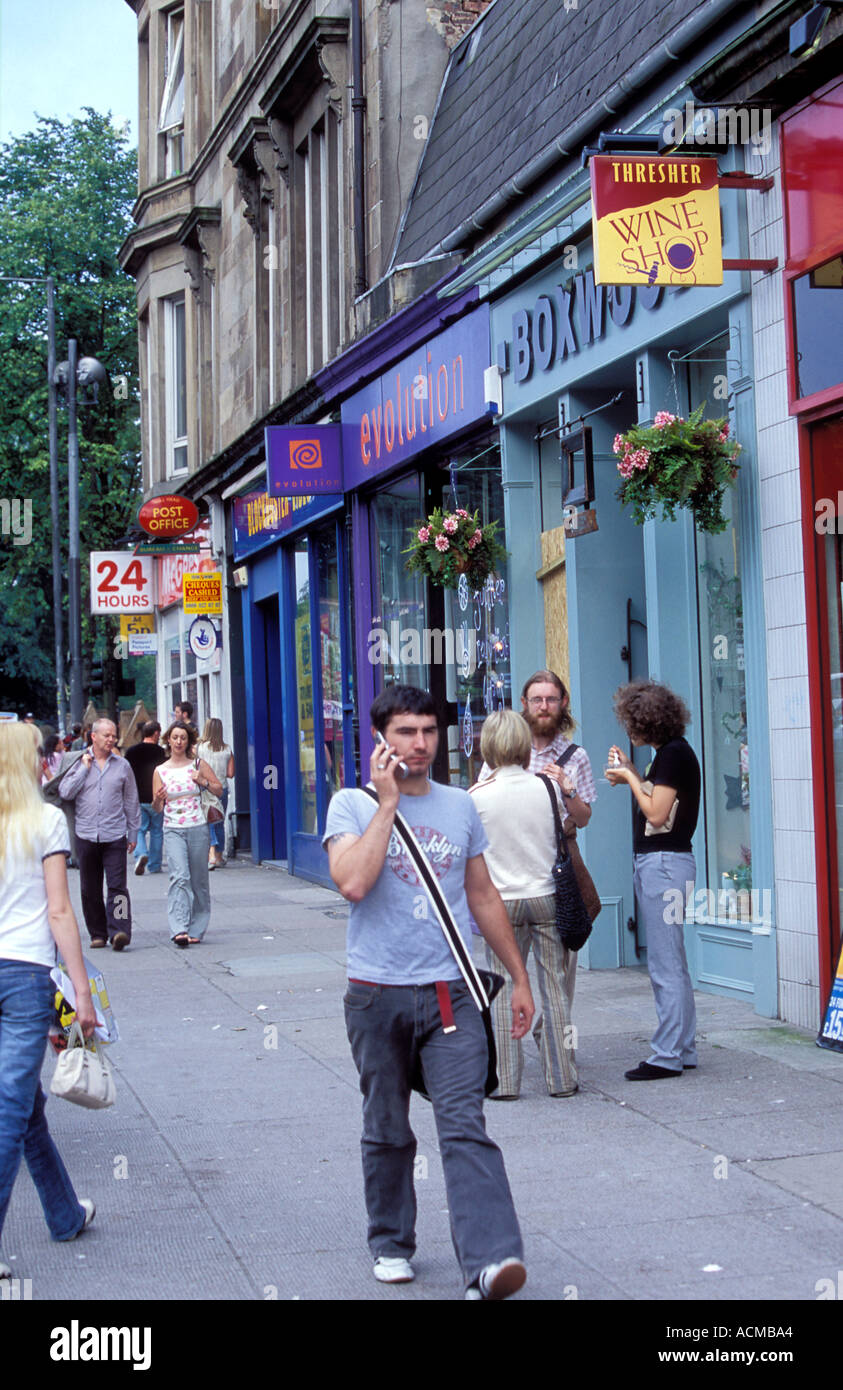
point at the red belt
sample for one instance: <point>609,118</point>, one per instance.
<point>442,994</point>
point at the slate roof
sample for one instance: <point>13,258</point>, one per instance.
<point>521,77</point>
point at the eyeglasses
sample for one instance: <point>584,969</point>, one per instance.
<point>536,700</point>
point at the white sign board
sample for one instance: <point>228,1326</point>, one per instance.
<point>142,643</point>
<point>121,582</point>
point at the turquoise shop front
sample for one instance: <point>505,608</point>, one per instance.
<point>664,600</point>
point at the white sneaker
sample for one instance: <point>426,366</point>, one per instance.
<point>391,1270</point>
<point>5,1271</point>
<point>90,1212</point>
<point>497,1282</point>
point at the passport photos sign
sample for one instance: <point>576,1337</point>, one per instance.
<point>831,1033</point>
<point>656,221</point>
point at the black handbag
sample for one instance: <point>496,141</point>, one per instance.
<point>573,923</point>
<point>482,985</point>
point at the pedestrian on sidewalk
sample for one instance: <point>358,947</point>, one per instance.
<point>546,706</point>
<point>220,759</point>
<point>667,805</point>
<point>177,791</point>
<point>518,819</point>
<point>143,758</point>
<point>400,967</point>
<point>103,787</point>
<point>35,916</point>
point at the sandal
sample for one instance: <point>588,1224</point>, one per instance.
<point>194,940</point>
<point>182,940</point>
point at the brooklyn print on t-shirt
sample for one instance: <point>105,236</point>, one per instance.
<point>441,853</point>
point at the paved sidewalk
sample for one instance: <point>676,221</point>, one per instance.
<point>230,1167</point>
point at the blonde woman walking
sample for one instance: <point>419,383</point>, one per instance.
<point>35,916</point>
<point>220,759</point>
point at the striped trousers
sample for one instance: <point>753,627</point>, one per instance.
<point>533,923</point>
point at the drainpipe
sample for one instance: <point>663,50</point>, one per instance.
<point>358,107</point>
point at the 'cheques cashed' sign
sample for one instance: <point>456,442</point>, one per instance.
<point>423,400</point>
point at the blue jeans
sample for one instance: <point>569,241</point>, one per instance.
<point>189,891</point>
<point>217,827</point>
<point>26,1009</point>
<point>151,824</point>
<point>389,1026</point>
<point>658,877</point>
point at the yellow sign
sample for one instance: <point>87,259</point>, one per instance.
<point>132,623</point>
<point>202,593</point>
<point>656,220</point>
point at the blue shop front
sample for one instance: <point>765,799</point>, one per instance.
<point>663,600</point>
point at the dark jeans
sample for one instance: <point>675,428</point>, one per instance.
<point>98,857</point>
<point>26,1011</point>
<point>389,1026</point>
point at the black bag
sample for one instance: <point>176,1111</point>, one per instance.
<point>482,985</point>
<point>573,923</point>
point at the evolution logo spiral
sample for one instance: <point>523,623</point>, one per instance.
<point>305,453</point>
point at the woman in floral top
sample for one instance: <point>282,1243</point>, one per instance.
<point>176,789</point>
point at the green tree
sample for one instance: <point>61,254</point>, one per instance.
<point>66,194</point>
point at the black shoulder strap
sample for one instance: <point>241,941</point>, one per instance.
<point>444,916</point>
<point>561,847</point>
<point>569,753</point>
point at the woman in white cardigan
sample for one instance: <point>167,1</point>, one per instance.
<point>517,816</point>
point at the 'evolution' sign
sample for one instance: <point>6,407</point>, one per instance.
<point>424,399</point>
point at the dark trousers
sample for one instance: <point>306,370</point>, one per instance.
<point>98,857</point>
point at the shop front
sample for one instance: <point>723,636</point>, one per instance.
<point>418,436</point>
<point>812,175</point>
<point>291,569</point>
<point>663,600</point>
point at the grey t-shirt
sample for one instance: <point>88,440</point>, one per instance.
<point>394,937</point>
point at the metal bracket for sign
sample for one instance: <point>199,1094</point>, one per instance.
<point>739,179</point>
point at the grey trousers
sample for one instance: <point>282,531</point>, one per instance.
<point>657,877</point>
<point>389,1027</point>
<point>189,889</point>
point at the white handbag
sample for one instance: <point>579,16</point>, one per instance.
<point>647,788</point>
<point>84,1074</point>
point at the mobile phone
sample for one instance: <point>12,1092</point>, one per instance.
<point>402,767</point>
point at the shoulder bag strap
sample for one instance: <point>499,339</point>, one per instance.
<point>569,753</point>
<point>444,916</point>
<point>561,847</point>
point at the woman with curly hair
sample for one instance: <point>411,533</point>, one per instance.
<point>666,809</point>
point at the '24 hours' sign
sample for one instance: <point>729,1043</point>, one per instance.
<point>121,582</point>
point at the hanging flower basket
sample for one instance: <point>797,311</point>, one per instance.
<point>449,544</point>
<point>677,463</point>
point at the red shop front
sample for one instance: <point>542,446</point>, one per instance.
<point>812,169</point>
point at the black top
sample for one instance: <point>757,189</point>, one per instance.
<point>675,765</point>
<point>143,759</point>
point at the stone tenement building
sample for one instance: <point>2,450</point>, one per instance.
<point>278,146</point>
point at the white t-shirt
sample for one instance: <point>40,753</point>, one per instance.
<point>24,927</point>
<point>517,816</point>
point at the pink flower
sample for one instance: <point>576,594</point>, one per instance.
<point>463,513</point>
<point>473,542</point>
<point>618,444</point>
<point>477,537</point>
<point>450,524</point>
<point>442,543</point>
<point>424,534</point>
<point>724,433</point>
<point>640,458</point>
<point>662,419</point>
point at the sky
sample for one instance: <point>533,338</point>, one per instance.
<point>57,56</point>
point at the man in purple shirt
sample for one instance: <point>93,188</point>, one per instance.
<point>104,790</point>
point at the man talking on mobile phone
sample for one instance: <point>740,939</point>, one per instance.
<point>399,965</point>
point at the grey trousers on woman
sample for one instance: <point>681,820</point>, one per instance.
<point>189,891</point>
<point>657,877</point>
